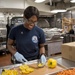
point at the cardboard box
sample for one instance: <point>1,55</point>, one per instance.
<point>68,51</point>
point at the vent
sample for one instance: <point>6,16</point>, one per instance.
<point>60,4</point>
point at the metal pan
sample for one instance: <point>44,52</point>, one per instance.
<point>55,73</point>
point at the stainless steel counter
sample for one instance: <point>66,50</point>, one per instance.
<point>60,60</point>
<point>16,65</point>
<point>65,62</point>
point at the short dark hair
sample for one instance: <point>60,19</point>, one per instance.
<point>30,11</point>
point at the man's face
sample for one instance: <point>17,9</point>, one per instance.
<point>31,22</point>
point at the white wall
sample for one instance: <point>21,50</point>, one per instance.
<point>12,4</point>
<point>40,6</point>
<point>22,4</point>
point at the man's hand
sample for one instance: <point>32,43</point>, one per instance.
<point>43,59</point>
<point>19,57</point>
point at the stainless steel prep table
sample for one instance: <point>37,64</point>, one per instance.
<point>65,62</point>
<point>60,60</point>
<point>16,65</point>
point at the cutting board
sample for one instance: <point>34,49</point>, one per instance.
<point>44,70</point>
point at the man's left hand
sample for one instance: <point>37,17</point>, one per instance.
<point>43,59</point>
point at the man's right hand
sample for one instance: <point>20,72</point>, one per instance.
<point>19,57</point>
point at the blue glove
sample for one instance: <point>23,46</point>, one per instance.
<point>19,57</point>
<point>43,59</point>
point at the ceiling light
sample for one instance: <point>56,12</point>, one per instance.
<point>72,1</point>
<point>58,10</point>
<point>39,1</point>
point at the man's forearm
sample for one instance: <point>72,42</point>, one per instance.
<point>11,49</point>
<point>42,50</point>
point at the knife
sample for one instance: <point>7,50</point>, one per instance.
<point>29,65</point>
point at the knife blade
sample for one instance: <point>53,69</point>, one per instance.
<point>31,66</point>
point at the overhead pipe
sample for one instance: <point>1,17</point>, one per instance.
<point>50,2</point>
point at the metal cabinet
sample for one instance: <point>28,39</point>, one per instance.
<point>54,47</point>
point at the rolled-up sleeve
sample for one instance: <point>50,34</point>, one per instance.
<point>42,37</point>
<point>12,34</point>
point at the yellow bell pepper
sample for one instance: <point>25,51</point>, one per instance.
<point>10,72</point>
<point>40,65</point>
<point>52,63</point>
<point>25,69</point>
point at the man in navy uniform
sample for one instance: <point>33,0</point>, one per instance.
<point>29,38</point>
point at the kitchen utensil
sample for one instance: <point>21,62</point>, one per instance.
<point>35,66</point>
